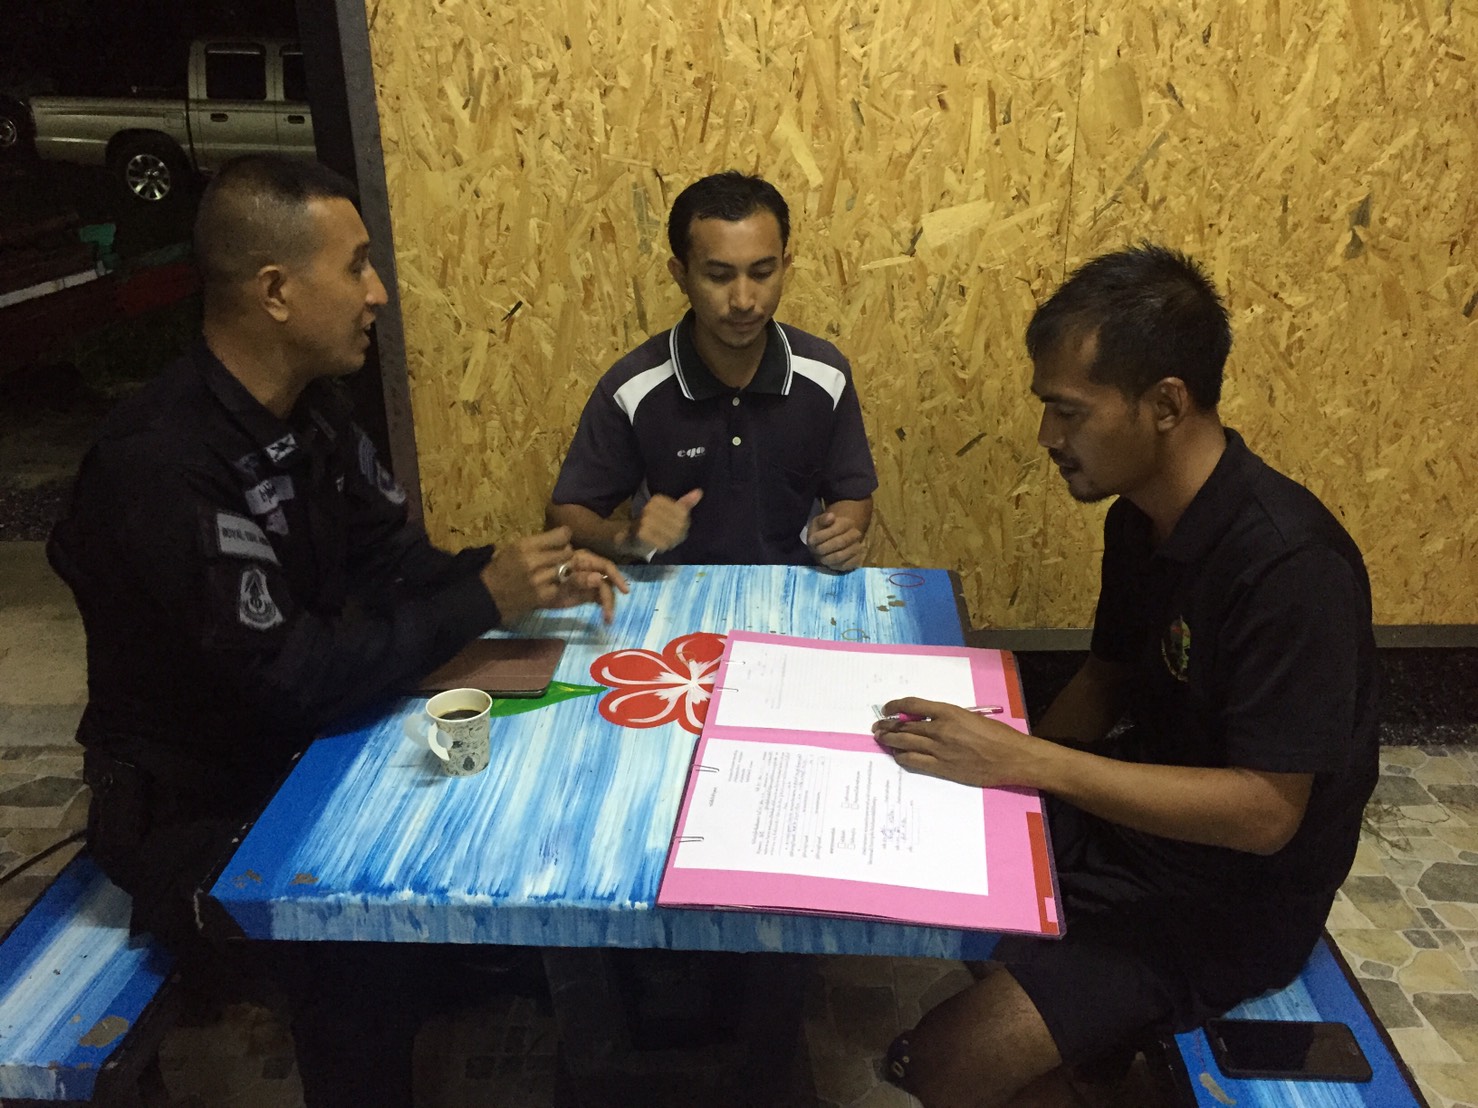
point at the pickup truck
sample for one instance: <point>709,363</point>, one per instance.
<point>243,96</point>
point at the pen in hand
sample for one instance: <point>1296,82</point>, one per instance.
<point>908,717</point>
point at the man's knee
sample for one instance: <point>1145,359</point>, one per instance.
<point>977,1049</point>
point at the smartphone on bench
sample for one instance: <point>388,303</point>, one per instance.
<point>1287,1050</point>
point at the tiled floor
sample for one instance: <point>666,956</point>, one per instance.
<point>1407,919</point>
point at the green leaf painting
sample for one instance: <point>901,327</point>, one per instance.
<point>557,691</point>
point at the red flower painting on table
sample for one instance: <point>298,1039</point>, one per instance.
<point>650,689</point>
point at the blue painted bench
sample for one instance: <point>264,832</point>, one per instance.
<point>1325,990</point>
<point>82,1004</point>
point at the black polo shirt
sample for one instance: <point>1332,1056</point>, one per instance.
<point>1249,633</point>
<point>245,580</point>
<point>659,421</point>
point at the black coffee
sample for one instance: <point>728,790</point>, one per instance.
<point>460,713</point>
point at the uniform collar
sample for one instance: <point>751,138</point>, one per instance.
<point>697,380</point>
<point>1211,510</point>
<point>281,443</point>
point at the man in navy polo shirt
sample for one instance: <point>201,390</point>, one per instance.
<point>737,439</point>
<point>1200,847</point>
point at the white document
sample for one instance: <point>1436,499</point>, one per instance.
<point>816,812</point>
<point>802,688</point>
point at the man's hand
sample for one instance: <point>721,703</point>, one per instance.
<point>525,574</point>
<point>1257,811</point>
<point>836,541</point>
<point>663,524</point>
<point>958,745</point>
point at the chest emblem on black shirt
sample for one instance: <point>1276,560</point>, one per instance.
<point>693,452</point>
<point>1175,648</point>
<point>257,609</point>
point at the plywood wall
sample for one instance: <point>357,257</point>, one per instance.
<point>947,163</point>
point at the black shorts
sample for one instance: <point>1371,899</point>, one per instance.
<point>1127,964</point>
<point>1096,993</point>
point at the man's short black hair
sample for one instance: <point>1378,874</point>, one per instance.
<point>254,212</point>
<point>730,195</point>
<point>1155,313</point>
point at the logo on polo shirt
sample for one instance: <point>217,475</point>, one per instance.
<point>1175,648</point>
<point>693,452</point>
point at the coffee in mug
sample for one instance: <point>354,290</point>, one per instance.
<point>455,728</point>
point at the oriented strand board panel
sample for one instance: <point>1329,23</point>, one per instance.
<point>947,162</point>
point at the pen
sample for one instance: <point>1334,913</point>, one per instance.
<point>909,717</point>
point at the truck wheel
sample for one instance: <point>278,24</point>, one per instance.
<point>151,169</point>
<point>15,129</point>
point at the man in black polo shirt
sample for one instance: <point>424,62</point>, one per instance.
<point>729,430</point>
<point>1201,846</point>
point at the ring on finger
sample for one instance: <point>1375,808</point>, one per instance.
<point>562,574</point>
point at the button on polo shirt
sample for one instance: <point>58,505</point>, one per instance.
<point>660,422</point>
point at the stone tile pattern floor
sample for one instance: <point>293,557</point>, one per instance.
<point>1407,920</point>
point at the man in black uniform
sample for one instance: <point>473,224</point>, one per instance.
<point>1200,848</point>
<point>246,574</point>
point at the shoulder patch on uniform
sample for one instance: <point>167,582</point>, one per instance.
<point>376,474</point>
<point>239,537</point>
<point>256,608</point>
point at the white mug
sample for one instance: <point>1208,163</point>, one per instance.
<point>459,719</point>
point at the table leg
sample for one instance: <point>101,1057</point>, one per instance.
<point>759,1066</point>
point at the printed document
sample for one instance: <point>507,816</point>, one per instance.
<point>816,812</point>
<point>799,687</point>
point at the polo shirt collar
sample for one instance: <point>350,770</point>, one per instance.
<point>279,441</point>
<point>697,380</point>
<point>1211,510</point>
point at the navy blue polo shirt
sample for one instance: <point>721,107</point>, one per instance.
<point>660,422</point>
<point>1248,631</point>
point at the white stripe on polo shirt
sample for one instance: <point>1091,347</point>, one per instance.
<point>674,361</point>
<point>630,395</point>
<point>789,359</point>
<point>829,377</point>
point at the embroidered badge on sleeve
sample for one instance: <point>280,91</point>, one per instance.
<point>256,608</point>
<point>376,474</point>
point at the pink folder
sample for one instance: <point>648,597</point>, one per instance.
<point>1022,884</point>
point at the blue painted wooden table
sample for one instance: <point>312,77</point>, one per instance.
<point>562,840</point>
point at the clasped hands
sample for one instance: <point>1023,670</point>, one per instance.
<point>956,744</point>
<point>836,541</point>
<point>545,571</point>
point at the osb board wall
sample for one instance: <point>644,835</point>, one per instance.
<point>947,163</point>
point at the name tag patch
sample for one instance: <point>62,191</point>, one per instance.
<point>239,537</point>
<point>256,608</point>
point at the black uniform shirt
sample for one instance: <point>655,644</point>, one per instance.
<point>659,421</point>
<point>243,581</point>
<point>1249,633</point>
